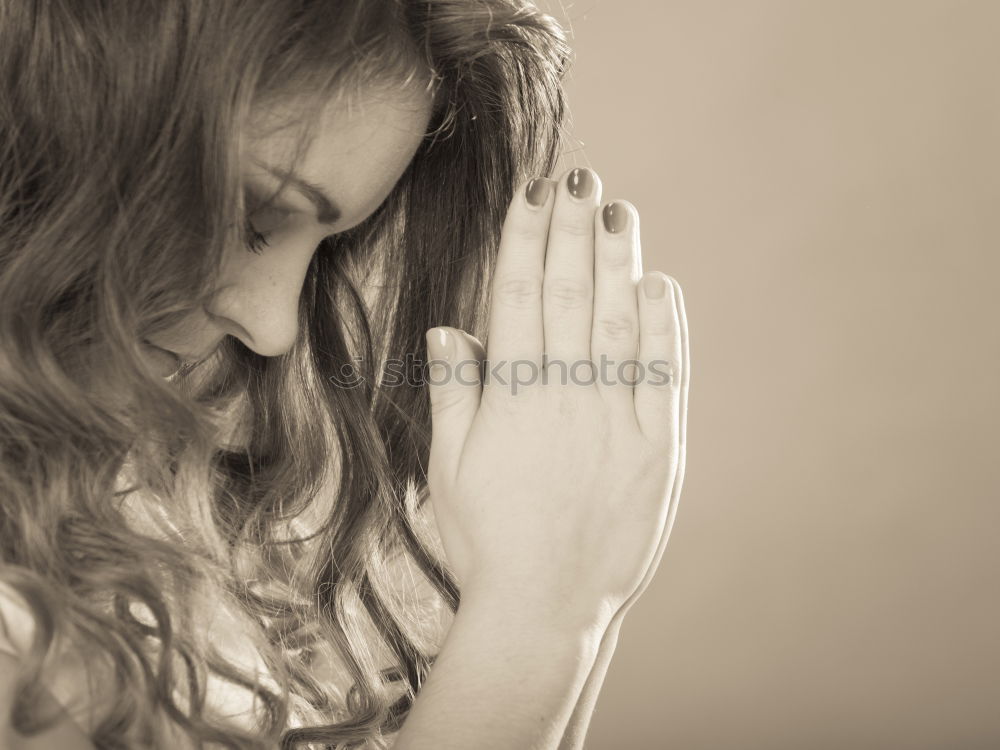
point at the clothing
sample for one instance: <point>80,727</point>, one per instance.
<point>73,682</point>
<point>229,702</point>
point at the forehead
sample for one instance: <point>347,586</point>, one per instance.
<point>362,141</point>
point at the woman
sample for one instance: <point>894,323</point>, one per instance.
<point>223,227</point>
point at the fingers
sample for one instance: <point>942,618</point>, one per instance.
<point>453,378</point>
<point>685,366</point>
<point>662,428</point>
<point>543,286</point>
<point>515,327</point>
<point>568,289</point>
<point>615,334</point>
<point>662,354</point>
<point>567,286</point>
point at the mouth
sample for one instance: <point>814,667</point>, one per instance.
<point>170,363</point>
<point>166,362</point>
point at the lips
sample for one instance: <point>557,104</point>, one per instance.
<point>165,361</point>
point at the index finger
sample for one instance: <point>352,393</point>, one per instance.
<point>515,327</point>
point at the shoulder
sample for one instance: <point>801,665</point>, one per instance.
<point>16,631</point>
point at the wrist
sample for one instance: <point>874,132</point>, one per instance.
<point>542,617</point>
<point>506,676</point>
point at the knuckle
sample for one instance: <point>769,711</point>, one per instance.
<point>663,374</point>
<point>523,231</point>
<point>518,291</point>
<point>503,400</point>
<point>568,293</point>
<point>671,375</point>
<point>566,405</point>
<point>615,327</point>
<point>617,254</point>
<point>574,225</point>
<point>658,326</point>
<point>446,400</point>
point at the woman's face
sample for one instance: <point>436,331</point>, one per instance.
<point>362,146</point>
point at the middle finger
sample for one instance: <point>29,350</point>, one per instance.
<point>568,287</point>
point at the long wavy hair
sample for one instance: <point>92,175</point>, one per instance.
<point>271,487</point>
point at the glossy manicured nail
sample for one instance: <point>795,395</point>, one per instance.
<point>654,286</point>
<point>615,217</point>
<point>580,183</point>
<point>440,344</point>
<point>537,192</point>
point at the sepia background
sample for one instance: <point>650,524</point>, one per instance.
<point>823,179</point>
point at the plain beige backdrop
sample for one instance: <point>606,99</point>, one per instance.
<point>823,178</point>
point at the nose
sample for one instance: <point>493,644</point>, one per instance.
<point>260,307</point>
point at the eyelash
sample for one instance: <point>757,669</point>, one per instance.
<point>254,241</point>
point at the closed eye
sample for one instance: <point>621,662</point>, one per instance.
<point>253,240</point>
<point>263,218</point>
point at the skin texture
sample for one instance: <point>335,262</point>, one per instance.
<point>363,145</point>
<point>550,556</point>
<point>558,550</point>
<point>576,526</point>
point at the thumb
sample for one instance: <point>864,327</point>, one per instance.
<point>455,385</point>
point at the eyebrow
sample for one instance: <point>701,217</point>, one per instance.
<point>326,210</point>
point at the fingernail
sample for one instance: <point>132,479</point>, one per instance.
<point>440,344</point>
<point>580,183</point>
<point>615,217</point>
<point>537,192</point>
<point>654,286</point>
